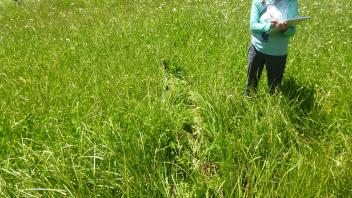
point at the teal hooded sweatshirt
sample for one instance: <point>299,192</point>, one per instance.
<point>276,42</point>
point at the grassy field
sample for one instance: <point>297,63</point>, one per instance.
<point>144,98</point>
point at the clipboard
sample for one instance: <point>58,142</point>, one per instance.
<point>296,20</point>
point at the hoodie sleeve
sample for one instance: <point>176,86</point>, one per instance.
<point>255,24</point>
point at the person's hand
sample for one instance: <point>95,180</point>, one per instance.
<point>282,25</point>
<point>273,23</point>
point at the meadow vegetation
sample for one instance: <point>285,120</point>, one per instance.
<point>144,98</point>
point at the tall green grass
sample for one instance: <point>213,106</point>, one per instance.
<point>144,99</point>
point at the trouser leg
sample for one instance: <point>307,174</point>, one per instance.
<point>256,63</point>
<point>275,67</point>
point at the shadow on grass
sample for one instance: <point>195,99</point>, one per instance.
<point>302,96</point>
<point>305,113</point>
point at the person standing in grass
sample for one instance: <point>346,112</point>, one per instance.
<point>269,44</point>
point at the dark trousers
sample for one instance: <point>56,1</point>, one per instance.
<point>275,67</point>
